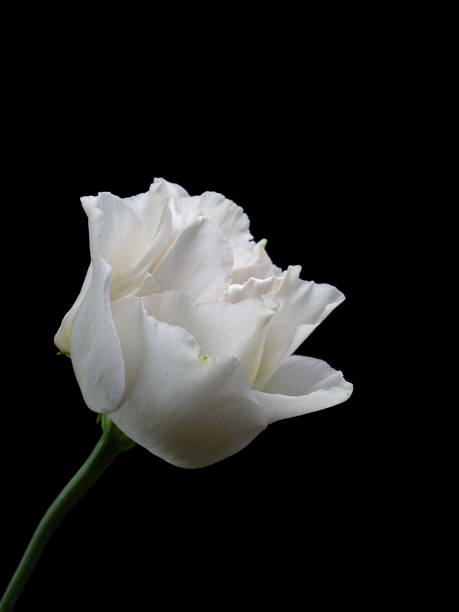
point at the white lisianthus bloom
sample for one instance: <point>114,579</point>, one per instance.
<point>184,330</point>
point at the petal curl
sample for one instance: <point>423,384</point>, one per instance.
<point>303,306</point>
<point>225,214</point>
<point>301,385</point>
<point>258,265</point>
<point>148,206</point>
<point>189,411</point>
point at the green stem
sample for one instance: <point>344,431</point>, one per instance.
<point>112,442</point>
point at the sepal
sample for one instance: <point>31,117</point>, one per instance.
<point>115,435</point>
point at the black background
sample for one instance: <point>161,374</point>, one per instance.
<point>303,145</point>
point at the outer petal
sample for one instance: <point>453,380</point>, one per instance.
<point>62,337</point>
<point>121,236</point>
<point>94,345</point>
<point>148,206</point>
<point>221,329</point>
<point>301,385</point>
<point>135,234</point>
<point>303,306</point>
<point>189,411</point>
<point>199,262</point>
<point>249,259</point>
<point>230,218</point>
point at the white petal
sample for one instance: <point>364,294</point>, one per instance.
<point>189,411</point>
<point>62,337</point>
<point>199,262</point>
<point>148,206</point>
<point>94,345</point>
<point>303,306</point>
<point>135,233</point>
<point>229,217</point>
<point>148,286</point>
<point>116,234</point>
<point>255,287</point>
<point>138,278</point>
<point>259,265</point>
<point>301,385</point>
<point>120,237</point>
<point>221,329</point>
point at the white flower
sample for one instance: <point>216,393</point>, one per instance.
<point>184,329</point>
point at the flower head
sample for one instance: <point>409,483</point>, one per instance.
<point>184,330</point>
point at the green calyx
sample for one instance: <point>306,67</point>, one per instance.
<point>112,432</point>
